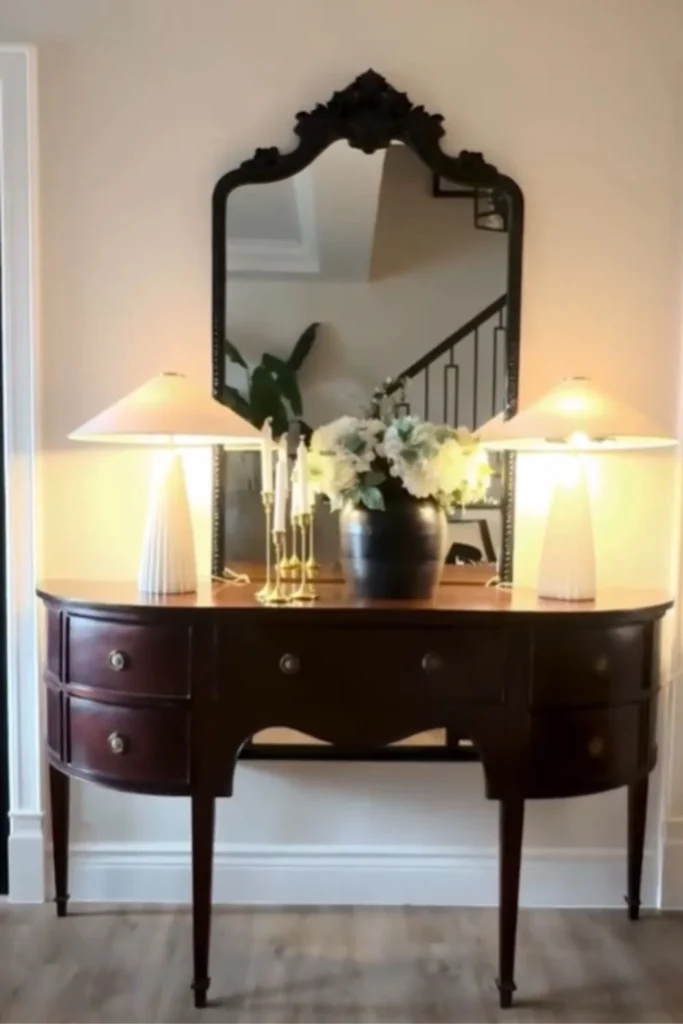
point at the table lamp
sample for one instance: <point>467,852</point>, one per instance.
<point>172,411</point>
<point>575,417</point>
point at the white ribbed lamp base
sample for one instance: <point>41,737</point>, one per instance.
<point>168,558</point>
<point>567,571</point>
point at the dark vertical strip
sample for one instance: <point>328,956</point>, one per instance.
<point>494,375</point>
<point>475,398</point>
<point>452,372</point>
<point>456,404</point>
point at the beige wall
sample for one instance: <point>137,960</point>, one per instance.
<point>143,103</point>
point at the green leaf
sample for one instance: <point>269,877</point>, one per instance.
<point>235,400</point>
<point>265,400</point>
<point>373,478</point>
<point>303,347</point>
<point>233,354</point>
<point>286,381</point>
<point>372,498</point>
<point>306,431</point>
<point>354,443</point>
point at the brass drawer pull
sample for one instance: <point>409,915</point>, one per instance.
<point>596,746</point>
<point>117,743</point>
<point>290,664</point>
<point>601,665</point>
<point>118,661</point>
<point>432,663</point>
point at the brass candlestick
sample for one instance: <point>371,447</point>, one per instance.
<point>294,562</point>
<point>305,591</point>
<point>283,561</point>
<point>277,593</point>
<point>312,567</point>
<point>268,500</point>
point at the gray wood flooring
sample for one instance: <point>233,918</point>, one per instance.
<point>337,965</point>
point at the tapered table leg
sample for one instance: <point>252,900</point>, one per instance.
<point>511,829</point>
<point>203,814</point>
<point>59,813</point>
<point>637,813</point>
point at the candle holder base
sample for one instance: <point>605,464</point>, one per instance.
<point>305,593</point>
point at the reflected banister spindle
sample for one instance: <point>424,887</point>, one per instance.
<point>451,365</point>
<point>494,375</point>
<point>475,375</point>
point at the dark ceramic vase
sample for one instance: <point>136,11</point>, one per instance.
<point>397,554</point>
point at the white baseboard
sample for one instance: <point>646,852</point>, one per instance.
<point>26,857</point>
<point>321,875</point>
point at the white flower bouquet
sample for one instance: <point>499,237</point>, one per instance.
<point>364,461</point>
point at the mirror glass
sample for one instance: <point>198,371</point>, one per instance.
<point>402,272</point>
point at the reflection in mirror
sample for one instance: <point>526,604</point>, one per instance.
<point>402,281</point>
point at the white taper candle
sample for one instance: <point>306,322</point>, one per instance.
<point>280,504</point>
<point>267,459</point>
<point>294,485</point>
<point>302,476</point>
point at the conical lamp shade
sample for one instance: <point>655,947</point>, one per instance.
<point>577,413</point>
<point>170,408</point>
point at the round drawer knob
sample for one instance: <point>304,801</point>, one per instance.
<point>290,664</point>
<point>596,746</point>
<point>118,661</point>
<point>601,665</point>
<point>117,743</point>
<point>432,663</point>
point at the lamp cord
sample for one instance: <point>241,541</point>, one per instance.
<point>229,577</point>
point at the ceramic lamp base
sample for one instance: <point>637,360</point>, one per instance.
<point>567,570</point>
<point>168,558</point>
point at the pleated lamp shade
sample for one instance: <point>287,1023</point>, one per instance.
<point>170,410</point>
<point>576,412</point>
<point>575,416</point>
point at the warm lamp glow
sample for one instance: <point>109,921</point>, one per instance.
<point>576,414</point>
<point>170,409</point>
<point>574,417</point>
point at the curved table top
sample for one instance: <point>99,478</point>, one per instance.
<point>477,602</point>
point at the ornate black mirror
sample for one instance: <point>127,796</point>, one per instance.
<point>365,255</point>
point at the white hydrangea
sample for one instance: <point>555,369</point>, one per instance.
<point>348,457</point>
<point>420,479</point>
<point>327,437</point>
<point>450,466</point>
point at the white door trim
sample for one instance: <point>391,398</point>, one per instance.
<point>18,240</point>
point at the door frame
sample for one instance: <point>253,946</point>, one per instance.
<point>18,239</point>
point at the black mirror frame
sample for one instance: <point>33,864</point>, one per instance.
<point>370,114</point>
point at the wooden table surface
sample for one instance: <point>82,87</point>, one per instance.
<point>334,598</point>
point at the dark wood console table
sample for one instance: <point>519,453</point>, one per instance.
<point>158,696</point>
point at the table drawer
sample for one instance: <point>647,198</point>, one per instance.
<point>142,660</point>
<point>589,666</point>
<point>146,746</point>
<point>575,752</point>
<point>462,666</point>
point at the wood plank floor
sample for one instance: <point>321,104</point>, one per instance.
<point>334,965</point>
